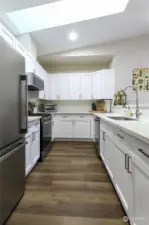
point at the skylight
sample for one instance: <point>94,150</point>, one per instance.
<point>63,13</point>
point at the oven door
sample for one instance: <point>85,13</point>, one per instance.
<point>47,132</point>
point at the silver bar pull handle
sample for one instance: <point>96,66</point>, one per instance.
<point>126,162</point>
<point>120,136</point>
<point>23,104</point>
<point>12,152</point>
<point>144,153</point>
<point>129,165</point>
<point>103,136</point>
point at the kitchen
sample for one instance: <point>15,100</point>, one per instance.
<point>78,152</point>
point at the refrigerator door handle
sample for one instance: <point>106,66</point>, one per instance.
<point>23,104</point>
<point>12,152</point>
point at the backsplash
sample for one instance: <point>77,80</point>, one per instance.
<point>73,106</point>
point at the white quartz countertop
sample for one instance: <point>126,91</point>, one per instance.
<point>33,118</point>
<point>138,129</point>
<point>71,113</point>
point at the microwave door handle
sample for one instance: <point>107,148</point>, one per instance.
<point>23,104</point>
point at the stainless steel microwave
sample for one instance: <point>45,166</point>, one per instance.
<point>35,83</point>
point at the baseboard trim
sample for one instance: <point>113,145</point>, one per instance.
<point>73,139</point>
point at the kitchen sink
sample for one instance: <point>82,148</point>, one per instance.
<point>121,118</point>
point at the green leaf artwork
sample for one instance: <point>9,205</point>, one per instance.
<point>140,79</point>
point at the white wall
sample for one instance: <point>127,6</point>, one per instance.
<point>124,65</point>
<point>73,106</point>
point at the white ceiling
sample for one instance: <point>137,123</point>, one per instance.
<point>12,5</point>
<point>133,22</point>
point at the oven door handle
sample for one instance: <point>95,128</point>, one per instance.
<point>49,121</point>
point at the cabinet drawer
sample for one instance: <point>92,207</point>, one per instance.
<point>121,137</point>
<point>108,128</point>
<point>82,117</point>
<point>141,149</point>
<point>64,117</point>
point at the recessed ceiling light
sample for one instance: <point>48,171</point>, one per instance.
<point>63,13</point>
<point>73,36</point>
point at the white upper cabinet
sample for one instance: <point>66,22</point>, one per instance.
<point>82,86</point>
<point>75,87</point>
<point>29,64</point>
<point>96,83</point>
<point>108,83</point>
<point>54,80</point>
<point>43,94</point>
<point>85,87</point>
<point>103,84</point>
<point>63,87</point>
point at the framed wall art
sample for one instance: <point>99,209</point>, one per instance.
<point>140,79</point>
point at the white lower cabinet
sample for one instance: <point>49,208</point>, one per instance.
<point>28,162</point>
<point>127,162</point>
<point>32,151</point>
<point>92,128</point>
<point>140,191</point>
<point>63,128</point>
<point>123,177</point>
<point>35,147</point>
<point>71,126</point>
<point>102,145</point>
<point>110,156</point>
<point>82,129</point>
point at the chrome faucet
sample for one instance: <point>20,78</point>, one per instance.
<point>138,113</point>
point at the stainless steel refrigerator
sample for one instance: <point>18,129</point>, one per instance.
<point>13,126</point>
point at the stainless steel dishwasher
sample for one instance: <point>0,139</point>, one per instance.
<point>97,135</point>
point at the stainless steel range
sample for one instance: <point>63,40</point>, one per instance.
<point>45,134</point>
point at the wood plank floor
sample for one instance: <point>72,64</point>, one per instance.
<point>71,187</point>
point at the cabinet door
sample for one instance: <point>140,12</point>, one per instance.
<point>29,64</point>
<point>43,94</point>
<point>63,128</point>
<point>85,87</point>
<point>46,86</point>
<point>141,191</point>
<point>28,161</point>
<point>54,81</point>
<point>96,85</point>
<point>123,179</point>
<point>81,129</point>
<point>37,149</point>
<point>108,83</point>
<point>75,87</point>
<point>64,87</point>
<point>110,156</point>
<point>33,149</point>
<point>102,145</point>
<point>92,128</point>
